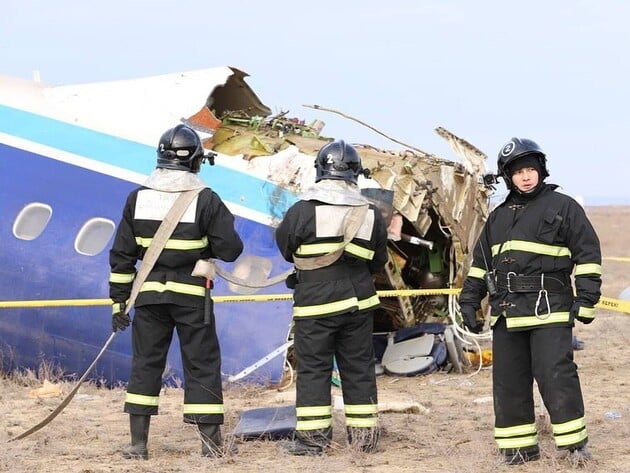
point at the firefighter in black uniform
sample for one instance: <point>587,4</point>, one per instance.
<point>170,297</point>
<point>524,258</point>
<point>334,302</point>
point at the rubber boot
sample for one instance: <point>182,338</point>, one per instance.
<point>309,443</point>
<point>300,448</point>
<point>580,457</point>
<point>519,456</point>
<point>139,426</point>
<point>212,441</point>
<point>364,439</point>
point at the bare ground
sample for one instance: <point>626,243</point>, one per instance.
<point>453,434</point>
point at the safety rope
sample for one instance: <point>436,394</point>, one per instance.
<point>351,224</point>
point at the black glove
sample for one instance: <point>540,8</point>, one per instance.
<point>291,281</point>
<point>575,311</point>
<point>469,315</point>
<point>120,320</point>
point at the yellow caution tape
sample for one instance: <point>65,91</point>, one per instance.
<point>617,258</point>
<point>234,298</point>
<point>614,304</point>
<point>54,303</point>
<point>417,292</point>
<point>254,298</point>
<point>604,302</point>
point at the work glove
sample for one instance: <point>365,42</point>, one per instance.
<point>120,320</point>
<point>575,313</point>
<point>469,315</point>
<point>291,281</point>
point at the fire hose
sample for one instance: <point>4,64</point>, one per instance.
<point>160,238</point>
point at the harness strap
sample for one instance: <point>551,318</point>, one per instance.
<point>352,222</point>
<point>160,238</point>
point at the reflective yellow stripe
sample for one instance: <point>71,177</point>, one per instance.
<point>323,248</point>
<point>121,278</point>
<point>361,409</point>
<point>518,442</point>
<point>515,431</point>
<point>476,272</point>
<point>570,439</point>
<point>532,320</point>
<point>588,312</point>
<point>337,306</point>
<point>569,426</point>
<point>203,409</point>
<point>317,249</point>
<point>173,287</point>
<point>313,424</point>
<point>531,247</point>
<point>588,268</point>
<point>116,307</point>
<point>361,421</point>
<point>312,411</point>
<point>142,400</point>
<point>176,244</point>
<point>359,251</point>
<point>369,302</point>
<point>323,309</point>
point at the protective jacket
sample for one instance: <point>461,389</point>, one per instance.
<point>313,228</point>
<point>205,231</point>
<point>531,247</point>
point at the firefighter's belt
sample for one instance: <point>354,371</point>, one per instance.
<point>550,282</point>
<point>331,273</point>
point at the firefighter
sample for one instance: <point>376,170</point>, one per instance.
<point>171,297</point>
<point>524,258</point>
<point>334,301</point>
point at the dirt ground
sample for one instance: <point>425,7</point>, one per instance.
<point>451,430</point>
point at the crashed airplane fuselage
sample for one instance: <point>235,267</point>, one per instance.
<point>436,207</point>
<point>69,155</point>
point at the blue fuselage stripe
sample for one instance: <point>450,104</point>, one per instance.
<point>233,186</point>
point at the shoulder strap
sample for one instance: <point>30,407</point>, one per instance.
<point>160,238</point>
<point>352,222</point>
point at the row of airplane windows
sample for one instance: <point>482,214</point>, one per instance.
<point>92,238</point>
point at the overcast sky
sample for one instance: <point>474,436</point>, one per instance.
<point>556,72</point>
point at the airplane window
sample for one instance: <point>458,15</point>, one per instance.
<point>94,236</point>
<point>31,221</point>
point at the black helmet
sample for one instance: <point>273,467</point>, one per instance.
<point>180,148</point>
<point>338,160</point>
<point>518,148</point>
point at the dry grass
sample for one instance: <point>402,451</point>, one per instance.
<point>455,435</point>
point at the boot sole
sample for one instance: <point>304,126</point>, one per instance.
<point>135,456</point>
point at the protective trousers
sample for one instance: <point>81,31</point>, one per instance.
<point>546,355</point>
<point>349,338</point>
<point>151,337</point>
